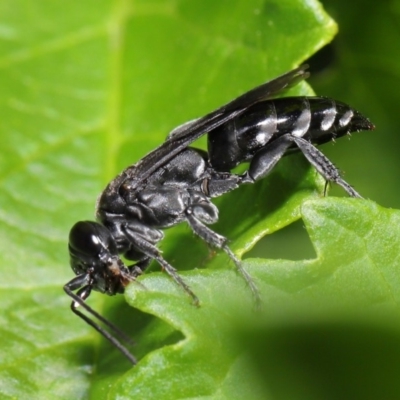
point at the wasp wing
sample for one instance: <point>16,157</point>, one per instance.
<point>185,134</point>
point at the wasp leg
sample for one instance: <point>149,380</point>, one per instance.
<point>220,242</point>
<point>138,268</point>
<point>79,300</point>
<point>266,158</point>
<point>322,164</point>
<point>151,251</point>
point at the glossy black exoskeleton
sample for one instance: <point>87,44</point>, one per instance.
<point>175,183</point>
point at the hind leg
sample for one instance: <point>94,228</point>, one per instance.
<point>265,160</point>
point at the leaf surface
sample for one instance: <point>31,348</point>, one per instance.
<point>88,89</point>
<point>348,289</point>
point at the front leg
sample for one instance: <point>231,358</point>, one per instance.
<point>138,268</point>
<point>84,284</point>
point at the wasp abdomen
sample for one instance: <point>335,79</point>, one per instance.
<point>317,119</point>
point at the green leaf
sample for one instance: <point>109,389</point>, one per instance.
<point>87,89</point>
<point>328,302</point>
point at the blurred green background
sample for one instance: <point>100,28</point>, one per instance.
<point>76,108</point>
<point>360,67</point>
<point>364,70</point>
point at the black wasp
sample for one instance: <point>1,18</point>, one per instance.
<point>175,183</point>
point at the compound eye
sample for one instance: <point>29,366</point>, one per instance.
<point>88,238</point>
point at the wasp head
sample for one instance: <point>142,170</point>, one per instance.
<point>93,253</point>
